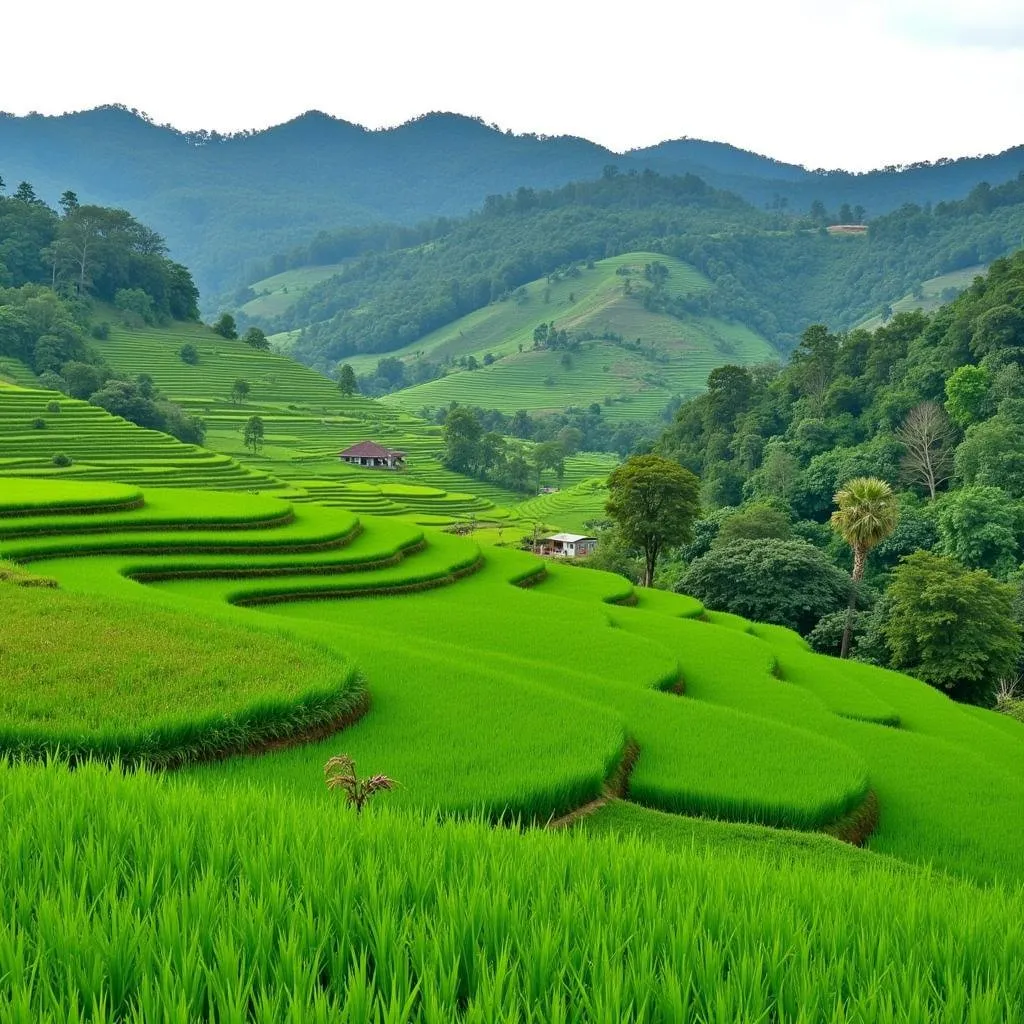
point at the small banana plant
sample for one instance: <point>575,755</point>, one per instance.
<point>340,773</point>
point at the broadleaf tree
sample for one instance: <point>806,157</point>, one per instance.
<point>951,626</point>
<point>654,502</point>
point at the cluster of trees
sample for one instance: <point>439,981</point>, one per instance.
<point>224,201</point>
<point>933,405</point>
<point>489,455</point>
<point>54,265</point>
<point>92,251</point>
<point>574,429</point>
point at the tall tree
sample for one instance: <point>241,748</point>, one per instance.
<point>255,338</point>
<point>225,327</point>
<point>867,513</point>
<point>654,503</point>
<point>253,434</point>
<point>549,455</point>
<point>347,380</point>
<point>926,433</point>
<point>239,390</point>
<point>69,202</point>
<point>462,433</point>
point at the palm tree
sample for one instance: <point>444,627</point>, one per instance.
<point>866,515</point>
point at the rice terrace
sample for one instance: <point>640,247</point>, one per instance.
<point>512,582</point>
<point>707,769</point>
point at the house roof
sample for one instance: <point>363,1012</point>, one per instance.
<point>371,450</point>
<point>569,538</point>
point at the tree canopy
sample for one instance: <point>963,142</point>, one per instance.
<point>789,582</point>
<point>951,626</point>
<point>653,502</point>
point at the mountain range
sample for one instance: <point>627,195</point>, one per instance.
<point>225,202</point>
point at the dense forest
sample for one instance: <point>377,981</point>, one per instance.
<point>225,202</point>
<point>59,271</point>
<point>934,406</point>
<point>769,271</point>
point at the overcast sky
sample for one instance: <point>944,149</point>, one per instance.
<point>831,83</point>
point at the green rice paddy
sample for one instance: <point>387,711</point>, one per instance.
<point>701,764</point>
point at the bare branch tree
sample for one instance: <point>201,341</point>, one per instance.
<point>927,435</point>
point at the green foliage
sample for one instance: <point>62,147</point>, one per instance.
<point>347,380</point>
<point>189,354</point>
<point>654,503</point>
<point>787,582</point>
<point>163,688</point>
<point>867,513</point>
<point>61,461</point>
<point>979,527</point>
<point>756,521</point>
<point>215,863</point>
<point>240,390</point>
<point>992,453</point>
<point>967,394</point>
<point>136,306</point>
<point>255,338</point>
<point>950,626</point>
<point>225,327</point>
<point>253,434</point>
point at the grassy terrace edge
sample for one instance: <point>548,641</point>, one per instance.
<point>268,723</point>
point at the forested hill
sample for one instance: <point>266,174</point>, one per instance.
<point>858,403</point>
<point>224,201</point>
<point>769,271</point>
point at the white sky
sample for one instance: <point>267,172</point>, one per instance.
<point>833,83</point>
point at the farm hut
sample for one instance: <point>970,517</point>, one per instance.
<point>372,455</point>
<point>567,545</point>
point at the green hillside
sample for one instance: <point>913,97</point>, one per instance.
<point>651,358</point>
<point>423,659</point>
<point>930,295</point>
<point>307,422</point>
<point>275,294</point>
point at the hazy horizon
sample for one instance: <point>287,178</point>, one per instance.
<point>842,84</point>
<point>475,117</point>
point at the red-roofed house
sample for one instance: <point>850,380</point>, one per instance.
<point>371,454</point>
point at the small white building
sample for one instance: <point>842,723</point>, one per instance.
<point>567,545</point>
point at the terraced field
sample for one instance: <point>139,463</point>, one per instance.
<point>36,426</point>
<point>674,358</point>
<point>695,770</point>
<point>307,422</point>
<point>535,727</point>
<point>931,294</point>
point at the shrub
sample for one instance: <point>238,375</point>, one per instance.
<point>100,331</point>
<point>39,423</point>
<point>61,460</point>
<point>50,381</point>
<point>788,582</point>
<point>189,354</point>
<point>53,406</point>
